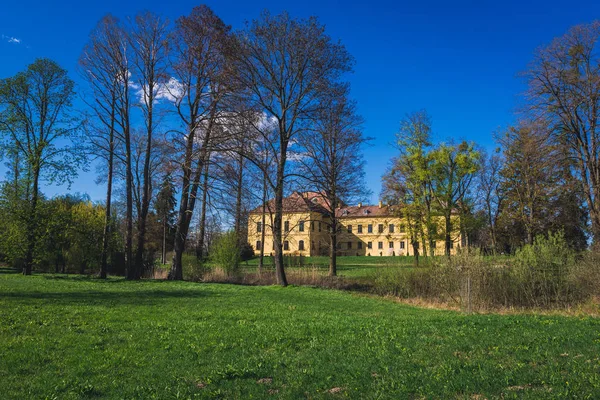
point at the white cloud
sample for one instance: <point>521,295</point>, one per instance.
<point>11,39</point>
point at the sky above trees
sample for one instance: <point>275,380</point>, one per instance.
<point>460,62</point>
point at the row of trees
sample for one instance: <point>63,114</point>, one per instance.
<point>192,120</point>
<point>543,177</point>
<point>188,118</point>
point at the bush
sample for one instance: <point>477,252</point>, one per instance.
<point>226,253</point>
<point>544,274</point>
<point>246,252</point>
<point>193,268</point>
<point>541,271</point>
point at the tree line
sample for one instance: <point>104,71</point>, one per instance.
<point>194,124</point>
<point>188,118</point>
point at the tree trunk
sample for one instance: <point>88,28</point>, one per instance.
<point>238,200</point>
<point>107,212</point>
<point>447,236</point>
<point>32,223</point>
<point>202,227</point>
<point>163,259</point>
<point>188,197</point>
<point>261,257</point>
<point>129,201</point>
<point>333,249</point>
<point>277,234</point>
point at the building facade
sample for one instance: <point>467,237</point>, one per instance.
<point>364,230</point>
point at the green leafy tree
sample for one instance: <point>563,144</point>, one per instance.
<point>453,167</point>
<point>36,124</point>
<point>407,182</point>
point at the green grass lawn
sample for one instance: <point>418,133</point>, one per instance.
<point>347,266</point>
<point>69,337</point>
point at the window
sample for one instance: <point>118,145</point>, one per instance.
<point>359,245</point>
<point>312,226</point>
<point>319,226</point>
<point>349,245</point>
<point>391,245</point>
<point>286,226</point>
<point>380,245</point>
<point>380,228</point>
<point>301,226</point>
<point>349,228</point>
<point>433,244</point>
<point>286,245</point>
<point>301,245</point>
<point>258,245</point>
<point>359,228</point>
<point>370,228</point>
<point>259,227</point>
<point>451,245</point>
<point>391,228</point>
<point>339,246</point>
<point>312,244</point>
<point>402,228</point>
<point>402,245</point>
<point>369,245</point>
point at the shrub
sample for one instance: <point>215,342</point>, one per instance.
<point>226,253</point>
<point>541,271</point>
<point>246,251</point>
<point>193,268</point>
<point>544,274</point>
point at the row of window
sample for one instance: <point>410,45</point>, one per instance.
<point>359,228</point>
<point>359,245</point>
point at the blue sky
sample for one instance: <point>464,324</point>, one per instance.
<point>459,60</point>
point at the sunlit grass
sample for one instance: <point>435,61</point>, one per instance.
<point>70,337</point>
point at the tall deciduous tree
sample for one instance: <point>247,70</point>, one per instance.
<point>529,179</point>
<point>198,45</point>
<point>407,182</point>
<point>331,161</point>
<point>491,194</point>
<point>285,65</point>
<point>453,167</point>
<point>35,121</point>
<point>148,38</point>
<point>564,89</point>
<point>101,69</point>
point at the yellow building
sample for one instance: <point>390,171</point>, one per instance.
<point>364,229</point>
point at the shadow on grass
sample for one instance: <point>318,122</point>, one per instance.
<point>9,271</point>
<point>109,297</point>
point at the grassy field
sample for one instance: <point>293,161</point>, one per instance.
<point>348,266</point>
<point>70,338</point>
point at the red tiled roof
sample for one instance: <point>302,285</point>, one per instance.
<point>365,211</point>
<point>299,202</point>
<point>316,201</point>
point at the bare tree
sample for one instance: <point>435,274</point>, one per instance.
<point>197,63</point>
<point>564,89</point>
<point>101,71</point>
<point>332,161</point>
<point>284,65</point>
<point>148,40</point>
<point>491,194</point>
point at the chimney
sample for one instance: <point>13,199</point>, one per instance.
<point>380,204</point>
<point>359,205</point>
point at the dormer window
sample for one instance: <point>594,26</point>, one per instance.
<point>314,200</point>
<point>366,212</point>
<point>345,212</point>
